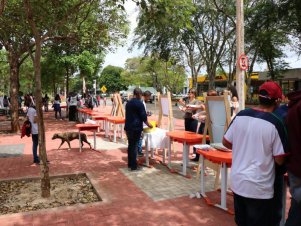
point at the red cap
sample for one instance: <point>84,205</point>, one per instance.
<point>273,89</point>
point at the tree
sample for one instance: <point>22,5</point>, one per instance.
<point>289,13</point>
<point>88,65</point>
<point>4,73</point>
<point>111,78</point>
<point>164,30</point>
<point>54,28</point>
<point>15,37</point>
<point>155,72</point>
<point>266,37</point>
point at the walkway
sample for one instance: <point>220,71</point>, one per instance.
<point>153,196</point>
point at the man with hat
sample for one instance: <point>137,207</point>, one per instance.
<point>256,137</point>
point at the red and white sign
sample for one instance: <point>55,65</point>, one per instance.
<point>243,62</point>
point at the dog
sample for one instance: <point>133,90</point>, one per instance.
<point>69,136</point>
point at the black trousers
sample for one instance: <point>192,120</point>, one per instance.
<point>72,113</point>
<point>191,124</point>
<point>133,140</point>
<point>251,212</point>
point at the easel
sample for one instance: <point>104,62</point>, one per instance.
<point>165,110</point>
<point>218,118</point>
<point>117,109</point>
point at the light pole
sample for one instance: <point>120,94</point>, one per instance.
<point>240,74</point>
<point>94,86</point>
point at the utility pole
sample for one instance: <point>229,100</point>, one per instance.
<point>240,74</point>
<point>94,87</point>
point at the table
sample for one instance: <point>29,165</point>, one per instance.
<point>187,138</point>
<point>116,120</point>
<point>86,112</point>
<point>155,139</point>
<point>102,117</point>
<point>219,157</point>
<point>87,127</point>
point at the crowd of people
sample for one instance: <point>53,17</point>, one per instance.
<point>265,143</point>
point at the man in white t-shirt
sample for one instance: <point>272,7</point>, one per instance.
<point>256,138</point>
<point>32,117</point>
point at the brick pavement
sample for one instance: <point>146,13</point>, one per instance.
<point>124,201</point>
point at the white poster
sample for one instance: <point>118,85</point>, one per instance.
<point>165,106</point>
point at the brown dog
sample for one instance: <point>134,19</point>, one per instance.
<point>69,136</point>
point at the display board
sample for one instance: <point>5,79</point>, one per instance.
<point>165,111</point>
<point>218,117</point>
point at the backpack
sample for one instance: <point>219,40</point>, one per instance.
<point>26,129</point>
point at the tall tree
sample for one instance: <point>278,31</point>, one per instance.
<point>155,72</point>
<point>111,78</point>
<point>16,39</point>
<point>54,27</point>
<point>165,28</point>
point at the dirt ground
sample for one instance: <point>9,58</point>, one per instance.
<point>25,195</point>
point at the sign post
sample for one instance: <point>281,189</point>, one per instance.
<point>240,67</point>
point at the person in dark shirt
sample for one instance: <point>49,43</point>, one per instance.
<point>293,122</point>
<point>135,115</point>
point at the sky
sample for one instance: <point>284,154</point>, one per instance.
<point>121,54</point>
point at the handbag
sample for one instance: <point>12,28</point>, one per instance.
<point>26,129</point>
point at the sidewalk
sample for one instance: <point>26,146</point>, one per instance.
<point>153,196</point>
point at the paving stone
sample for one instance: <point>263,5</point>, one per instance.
<point>166,185</point>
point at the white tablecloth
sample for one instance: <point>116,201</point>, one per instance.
<point>157,138</point>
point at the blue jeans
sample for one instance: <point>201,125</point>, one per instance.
<point>294,214</point>
<point>35,143</point>
<point>133,140</point>
<point>140,144</point>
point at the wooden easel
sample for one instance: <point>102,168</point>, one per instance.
<point>212,104</point>
<point>117,109</point>
<point>165,111</point>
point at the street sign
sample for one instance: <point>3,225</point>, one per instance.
<point>243,62</point>
<point>103,89</point>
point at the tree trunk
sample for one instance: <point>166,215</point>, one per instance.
<point>14,92</point>
<point>84,85</point>
<point>45,180</point>
<point>211,78</point>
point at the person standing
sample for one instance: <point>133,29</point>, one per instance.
<point>57,106</point>
<point>6,102</point>
<point>191,124</point>
<point>145,97</point>
<point>135,115</point>
<point>293,122</point>
<point>45,102</point>
<point>32,117</point>
<point>72,104</point>
<point>190,107</point>
<point>256,137</point>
